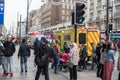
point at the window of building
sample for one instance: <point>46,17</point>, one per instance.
<point>91,0</point>
<point>71,7</point>
<point>99,13</point>
<point>63,17</point>
<point>63,6</point>
<point>63,12</point>
<point>118,9</point>
<point>66,0</point>
<point>70,1</point>
<point>67,6</point>
<point>99,3</point>
<point>67,12</point>
<point>91,6</point>
<point>67,18</point>
<point>91,15</point>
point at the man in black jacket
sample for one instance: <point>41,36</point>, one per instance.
<point>43,50</point>
<point>24,53</point>
<point>8,53</point>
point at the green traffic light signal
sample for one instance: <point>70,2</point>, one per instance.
<point>79,13</point>
<point>81,20</point>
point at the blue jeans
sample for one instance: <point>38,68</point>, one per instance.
<point>23,62</point>
<point>57,62</point>
<point>45,70</point>
<point>94,61</point>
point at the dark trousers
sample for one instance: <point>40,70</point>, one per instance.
<point>100,70</point>
<point>119,76</point>
<point>82,64</point>
<point>73,73</point>
<point>39,70</point>
<point>23,63</point>
<point>94,61</point>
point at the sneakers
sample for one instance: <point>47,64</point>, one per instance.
<point>11,75</point>
<point>5,74</point>
<point>25,71</point>
<point>21,71</point>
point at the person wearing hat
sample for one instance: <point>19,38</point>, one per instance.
<point>42,50</point>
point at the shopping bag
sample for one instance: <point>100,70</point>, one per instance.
<point>69,64</point>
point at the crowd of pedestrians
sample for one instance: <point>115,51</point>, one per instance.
<point>102,57</point>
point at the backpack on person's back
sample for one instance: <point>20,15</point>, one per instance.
<point>41,59</point>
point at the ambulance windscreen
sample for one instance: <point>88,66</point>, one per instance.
<point>82,38</point>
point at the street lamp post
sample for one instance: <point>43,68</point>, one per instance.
<point>107,20</point>
<point>27,18</point>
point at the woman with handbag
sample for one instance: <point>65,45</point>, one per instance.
<point>73,55</point>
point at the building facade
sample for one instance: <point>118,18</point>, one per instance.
<point>52,13</point>
<point>97,14</point>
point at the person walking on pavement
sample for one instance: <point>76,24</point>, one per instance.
<point>83,55</point>
<point>36,45</point>
<point>109,62</point>
<point>43,50</point>
<point>101,65</point>
<point>24,53</point>
<point>57,56</point>
<point>73,55</point>
<point>8,53</point>
<point>94,60</point>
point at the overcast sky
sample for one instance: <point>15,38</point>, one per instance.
<point>13,7</point>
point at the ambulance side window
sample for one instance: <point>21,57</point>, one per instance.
<point>59,37</point>
<point>82,38</point>
<point>67,37</point>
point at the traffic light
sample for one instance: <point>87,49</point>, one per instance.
<point>79,12</point>
<point>73,18</point>
<point>110,27</point>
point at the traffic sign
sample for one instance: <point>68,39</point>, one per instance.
<point>1,12</point>
<point>115,35</point>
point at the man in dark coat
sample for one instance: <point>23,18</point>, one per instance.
<point>24,53</point>
<point>42,50</point>
<point>8,53</point>
<point>36,45</point>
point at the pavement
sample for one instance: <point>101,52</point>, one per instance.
<point>30,75</point>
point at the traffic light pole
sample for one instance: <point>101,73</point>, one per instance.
<point>107,21</point>
<point>75,27</point>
